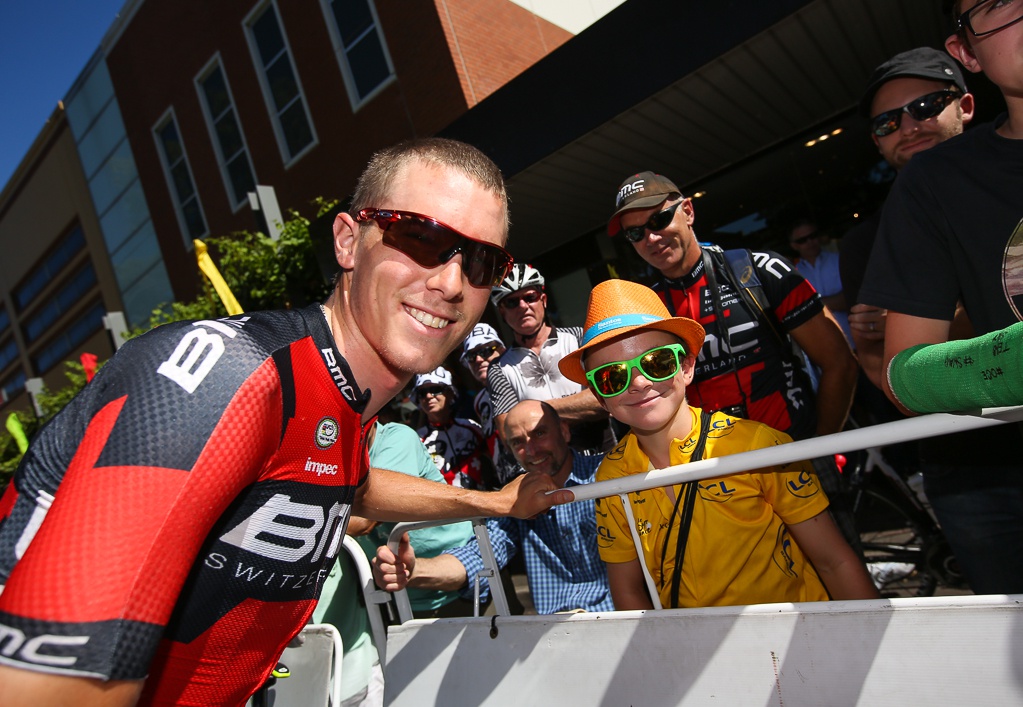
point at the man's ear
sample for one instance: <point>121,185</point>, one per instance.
<point>960,50</point>
<point>966,106</point>
<point>345,235</point>
<point>566,431</point>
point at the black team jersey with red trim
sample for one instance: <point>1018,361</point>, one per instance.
<point>178,518</point>
<point>775,394</point>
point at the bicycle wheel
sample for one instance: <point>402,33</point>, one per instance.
<point>895,545</point>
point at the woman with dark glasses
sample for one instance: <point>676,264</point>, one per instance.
<point>746,538</point>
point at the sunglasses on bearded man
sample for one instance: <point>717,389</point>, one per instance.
<point>922,108</point>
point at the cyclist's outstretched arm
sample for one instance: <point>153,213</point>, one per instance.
<point>27,688</point>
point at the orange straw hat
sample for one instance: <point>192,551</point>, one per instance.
<point>618,308</point>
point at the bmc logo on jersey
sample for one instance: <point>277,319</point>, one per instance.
<point>39,650</point>
<point>282,529</point>
<point>198,352</point>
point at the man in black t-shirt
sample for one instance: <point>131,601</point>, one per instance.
<point>954,215</point>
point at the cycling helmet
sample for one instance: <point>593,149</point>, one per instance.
<point>481,334</point>
<point>441,376</point>
<point>519,277</point>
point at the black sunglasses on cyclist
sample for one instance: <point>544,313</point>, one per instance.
<point>922,108</point>
<point>484,352</point>
<point>512,301</point>
<point>657,222</point>
<point>656,365</point>
<point>431,244</point>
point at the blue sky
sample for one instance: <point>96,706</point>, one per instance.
<point>44,45</point>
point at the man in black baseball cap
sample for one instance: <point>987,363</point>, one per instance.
<point>915,100</point>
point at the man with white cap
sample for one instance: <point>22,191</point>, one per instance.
<point>480,350</point>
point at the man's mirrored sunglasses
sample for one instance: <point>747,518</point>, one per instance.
<point>433,390</point>
<point>512,301</point>
<point>431,244</point>
<point>656,365</point>
<point>484,352</point>
<point>657,222</point>
<point>922,108</point>
<point>990,16</point>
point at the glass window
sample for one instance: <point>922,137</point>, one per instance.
<point>58,349</point>
<point>5,320</point>
<point>65,299</point>
<point>113,177</point>
<point>136,256</point>
<point>149,292</point>
<point>14,385</point>
<point>179,174</point>
<point>280,83</point>
<point>101,139</point>
<point>360,47</point>
<point>8,353</point>
<point>89,99</point>
<point>124,217</point>
<point>72,244</point>
<point>227,135</point>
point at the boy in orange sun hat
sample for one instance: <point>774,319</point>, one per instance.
<point>749,538</point>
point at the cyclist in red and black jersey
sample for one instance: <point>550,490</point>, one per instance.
<point>746,366</point>
<point>168,533</point>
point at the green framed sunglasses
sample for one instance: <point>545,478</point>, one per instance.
<point>658,364</point>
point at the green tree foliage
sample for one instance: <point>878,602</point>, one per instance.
<point>262,273</point>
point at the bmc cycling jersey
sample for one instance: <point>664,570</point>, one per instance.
<point>744,364</point>
<point>180,515</point>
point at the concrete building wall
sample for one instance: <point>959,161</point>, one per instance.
<point>45,200</point>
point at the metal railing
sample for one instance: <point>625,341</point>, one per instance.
<point>906,430</point>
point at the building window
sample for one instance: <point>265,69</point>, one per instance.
<point>360,47</point>
<point>81,329</point>
<point>179,175</point>
<point>13,385</point>
<point>8,353</point>
<point>226,132</point>
<point>280,83</point>
<point>65,299</point>
<point>5,321</point>
<point>72,244</point>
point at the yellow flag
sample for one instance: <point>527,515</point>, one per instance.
<point>209,269</point>
<point>14,427</point>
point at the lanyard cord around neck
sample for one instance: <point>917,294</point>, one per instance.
<point>689,492</point>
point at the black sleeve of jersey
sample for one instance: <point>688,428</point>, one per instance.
<point>793,300</point>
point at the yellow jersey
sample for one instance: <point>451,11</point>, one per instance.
<point>739,549</point>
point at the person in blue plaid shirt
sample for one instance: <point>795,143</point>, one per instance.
<point>559,547</point>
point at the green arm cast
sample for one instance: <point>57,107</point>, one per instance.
<point>986,371</point>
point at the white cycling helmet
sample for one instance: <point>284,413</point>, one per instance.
<point>519,277</point>
<point>441,376</point>
<point>481,334</point>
